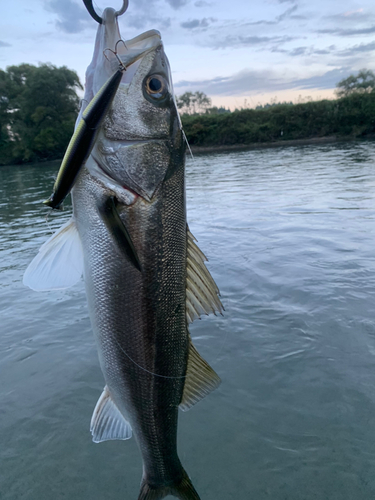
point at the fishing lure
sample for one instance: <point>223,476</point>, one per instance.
<point>83,139</point>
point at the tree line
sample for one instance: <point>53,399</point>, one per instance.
<point>39,106</point>
<point>351,114</point>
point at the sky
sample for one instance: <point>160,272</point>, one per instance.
<point>239,52</point>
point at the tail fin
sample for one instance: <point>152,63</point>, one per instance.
<point>184,490</point>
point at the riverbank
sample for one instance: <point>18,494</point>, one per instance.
<point>196,150</point>
<point>350,117</point>
<point>314,122</point>
<point>264,145</point>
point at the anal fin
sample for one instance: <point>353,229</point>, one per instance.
<point>200,380</point>
<point>107,422</point>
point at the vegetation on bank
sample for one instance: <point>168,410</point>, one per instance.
<point>353,116</point>
<point>38,109</point>
<point>39,106</point>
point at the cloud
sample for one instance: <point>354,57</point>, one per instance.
<point>146,14</point>
<point>142,21</point>
<point>357,49</point>
<point>323,52</point>
<point>306,51</point>
<point>326,81</point>
<point>351,18</point>
<point>4,44</point>
<point>255,23</point>
<point>72,18</point>
<point>177,4</point>
<point>347,32</point>
<point>202,3</point>
<point>198,23</point>
<point>298,51</point>
<point>255,82</point>
<point>280,18</point>
<point>351,13</point>
<point>287,13</point>
<point>249,41</point>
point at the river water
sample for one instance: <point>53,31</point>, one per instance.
<point>290,237</point>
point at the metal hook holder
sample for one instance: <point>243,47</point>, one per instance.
<point>90,8</point>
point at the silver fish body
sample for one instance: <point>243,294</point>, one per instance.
<point>139,315</point>
<point>139,318</point>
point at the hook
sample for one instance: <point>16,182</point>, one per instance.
<point>89,6</point>
<point>125,5</point>
<point>114,52</point>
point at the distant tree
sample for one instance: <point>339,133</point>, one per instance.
<point>38,108</point>
<point>202,102</point>
<point>362,83</point>
<point>193,102</point>
<point>4,115</point>
<point>217,111</point>
<point>273,104</point>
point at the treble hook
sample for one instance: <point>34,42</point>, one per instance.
<point>89,6</point>
<point>114,52</point>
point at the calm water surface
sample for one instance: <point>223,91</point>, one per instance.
<point>290,237</point>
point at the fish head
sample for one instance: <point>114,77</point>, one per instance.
<point>144,106</point>
<point>141,135</point>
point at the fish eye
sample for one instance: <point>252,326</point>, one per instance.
<point>156,86</point>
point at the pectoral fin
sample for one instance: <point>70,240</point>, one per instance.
<point>200,380</point>
<point>119,231</point>
<point>59,263</point>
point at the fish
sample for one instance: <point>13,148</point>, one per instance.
<point>145,276</point>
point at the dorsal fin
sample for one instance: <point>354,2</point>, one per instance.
<point>201,290</point>
<point>200,380</point>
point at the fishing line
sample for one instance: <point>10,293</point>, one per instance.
<point>210,211</point>
<point>144,369</point>
<point>187,142</point>
<point>82,102</point>
<point>47,221</point>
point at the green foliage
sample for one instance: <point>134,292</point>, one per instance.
<point>349,116</point>
<point>217,111</point>
<point>269,105</point>
<point>356,84</point>
<point>39,105</point>
<point>38,108</point>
